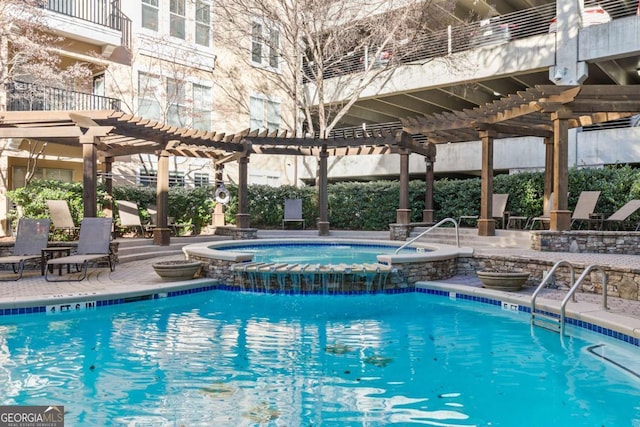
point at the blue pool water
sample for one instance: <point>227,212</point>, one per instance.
<point>238,359</point>
<point>317,253</point>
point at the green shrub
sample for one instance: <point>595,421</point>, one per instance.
<point>352,205</point>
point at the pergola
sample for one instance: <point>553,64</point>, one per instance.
<point>547,112</point>
<point>108,134</point>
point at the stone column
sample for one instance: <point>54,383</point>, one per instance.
<point>486,223</point>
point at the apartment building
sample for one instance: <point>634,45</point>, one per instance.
<point>155,59</point>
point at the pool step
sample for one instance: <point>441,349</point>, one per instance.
<point>545,321</point>
<point>469,237</point>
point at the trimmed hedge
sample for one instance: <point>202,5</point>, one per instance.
<point>352,205</point>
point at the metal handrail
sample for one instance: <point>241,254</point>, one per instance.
<point>547,278</point>
<point>431,228</point>
<point>573,289</point>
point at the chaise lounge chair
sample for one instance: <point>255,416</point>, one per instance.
<point>61,217</point>
<point>95,238</point>
<point>499,205</point>
<point>32,236</point>
<point>619,217</point>
<point>546,214</point>
<point>585,207</point>
<point>293,211</point>
<point>129,217</point>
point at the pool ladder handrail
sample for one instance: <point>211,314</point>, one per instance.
<point>551,323</point>
<point>455,223</point>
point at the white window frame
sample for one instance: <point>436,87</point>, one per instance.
<point>178,17</point>
<point>151,6</point>
<point>176,103</point>
<point>265,104</point>
<point>201,108</point>
<point>150,94</point>
<point>200,25</point>
<point>265,54</point>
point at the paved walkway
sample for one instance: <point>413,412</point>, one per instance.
<point>136,276</point>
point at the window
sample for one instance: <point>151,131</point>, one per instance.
<point>147,178</point>
<point>256,43</point>
<point>264,113</point>
<point>177,112</point>
<point>200,179</point>
<point>265,45</point>
<point>201,107</point>
<point>19,174</point>
<point>176,179</point>
<point>150,14</point>
<point>177,19</point>
<point>149,105</point>
<point>203,23</point>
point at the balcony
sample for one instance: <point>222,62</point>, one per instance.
<point>485,33</point>
<point>22,96</point>
<point>106,14</point>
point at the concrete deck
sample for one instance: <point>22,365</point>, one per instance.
<point>137,278</point>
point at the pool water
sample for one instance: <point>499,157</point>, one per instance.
<point>317,253</point>
<point>238,359</point>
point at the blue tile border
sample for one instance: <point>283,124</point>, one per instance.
<point>569,320</point>
<point>436,292</point>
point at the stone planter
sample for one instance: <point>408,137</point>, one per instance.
<point>177,270</point>
<point>503,280</point>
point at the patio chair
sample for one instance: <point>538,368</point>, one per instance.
<point>546,214</point>
<point>171,224</point>
<point>32,236</point>
<point>499,205</point>
<point>129,217</point>
<point>585,207</point>
<point>619,217</point>
<point>293,212</point>
<point>61,217</point>
<point>93,245</point>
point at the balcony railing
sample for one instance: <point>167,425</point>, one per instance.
<point>102,12</point>
<point>493,31</point>
<point>23,96</point>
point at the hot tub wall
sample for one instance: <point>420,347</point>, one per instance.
<point>405,275</point>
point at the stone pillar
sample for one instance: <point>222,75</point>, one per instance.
<point>242,217</point>
<point>89,175</point>
<point>560,215</point>
<point>323,193</point>
<point>162,232</point>
<point>486,223</point>
<point>403,213</point>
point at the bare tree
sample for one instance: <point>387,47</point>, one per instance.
<point>301,44</point>
<point>28,57</point>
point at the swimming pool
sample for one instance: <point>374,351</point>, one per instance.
<point>239,359</point>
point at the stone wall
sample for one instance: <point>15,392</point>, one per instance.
<point>587,241</point>
<point>621,282</point>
